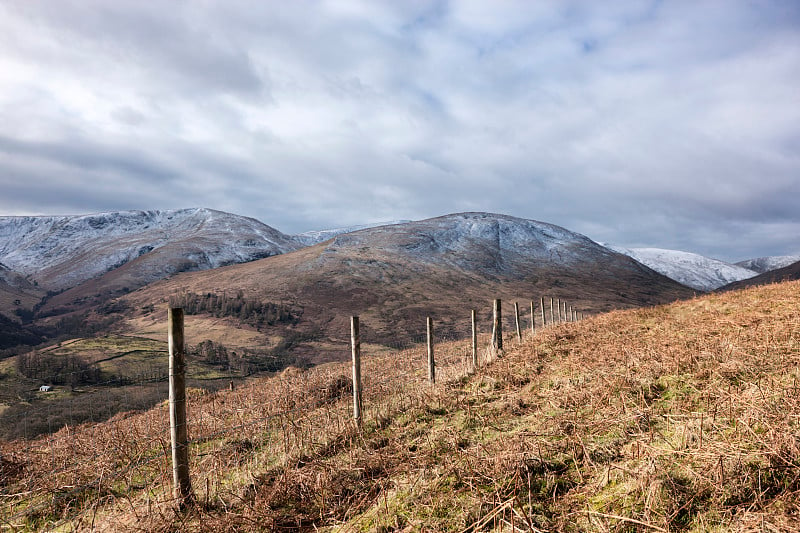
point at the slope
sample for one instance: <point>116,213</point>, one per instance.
<point>310,238</point>
<point>787,273</point>
<point>692,270</point>
<point>395,276</point>
<point>672,418</point>
<point>63,252</point>
<point>82,261</point>
<point>17,297</point>
<point>765,264</point>
<point>16,292</point>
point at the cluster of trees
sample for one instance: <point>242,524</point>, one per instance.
<point>243,361</point>
<point>253,312</point>
<point>215,354</point>
<point>57,369</point>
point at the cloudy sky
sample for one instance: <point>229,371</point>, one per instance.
<point>673,124</point>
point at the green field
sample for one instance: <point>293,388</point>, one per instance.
<point>132,374</point>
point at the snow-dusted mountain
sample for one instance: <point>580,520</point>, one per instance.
<point>59,252</point>
<point>394,276</point>
<point>778,275</point>
<point>765,264</point>
<point>310,238</point>
<point>692,270</point>
<point>473,242</point>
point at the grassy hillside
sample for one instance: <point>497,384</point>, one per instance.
<point>683,417</point>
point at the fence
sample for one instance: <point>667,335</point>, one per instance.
<point>147,457</point>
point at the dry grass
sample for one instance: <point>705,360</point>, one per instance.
<point>677,418</point>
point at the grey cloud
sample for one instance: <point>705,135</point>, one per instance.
<point>90,156</point>
<point>174,40</point>
<point>669,124</point>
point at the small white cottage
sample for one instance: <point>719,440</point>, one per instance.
<point>45,388</point>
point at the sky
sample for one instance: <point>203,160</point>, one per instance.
<point>672,124</point>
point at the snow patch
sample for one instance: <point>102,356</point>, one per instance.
<point>68,250</point>
<point>765,264</point>
<point>310,238</point>
<point>692,270</point>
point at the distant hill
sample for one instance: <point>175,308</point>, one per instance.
<point>692,270</point>
<point>765,264</point>
<point>787,273</point>
<point>84,260</point>
<point>394,276</point>
<point>64,251</point>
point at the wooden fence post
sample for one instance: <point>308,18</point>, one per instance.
<point>497,329</point>
<point>552,313</point>
<point>179,435</point>
<point>431,362</point>
<point>544,320</point>
<point>355,340</point>
<point>533,321</point>
<point>474,340</point>
<point>516,316</point>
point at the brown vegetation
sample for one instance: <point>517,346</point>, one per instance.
<point>683,417</point>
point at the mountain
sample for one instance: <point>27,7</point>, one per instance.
<point>64,251</point>
<point>83,260</point>
<point>310,238</point>
<point>787,273</point>
<point>692,270</point>
<point>394,276</point>
<point>765,264</point>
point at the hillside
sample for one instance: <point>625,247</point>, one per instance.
<point>78,263</point>
<point>787,273</point>
<point>765,264</point>
<point>60,252</point>
<point>16,292</point>
<point>394,276</point>
<point>672,418</point>
<point>310,238</point>
<point>693,270</point>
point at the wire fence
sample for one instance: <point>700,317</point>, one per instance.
<point>70,474</point>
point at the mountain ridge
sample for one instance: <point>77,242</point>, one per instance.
<point>787,273</point>
<point>394,276</point>
<point>62,252</point>
<point>310,238</point>
<point>690,269</point>
<point>765,264</point>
